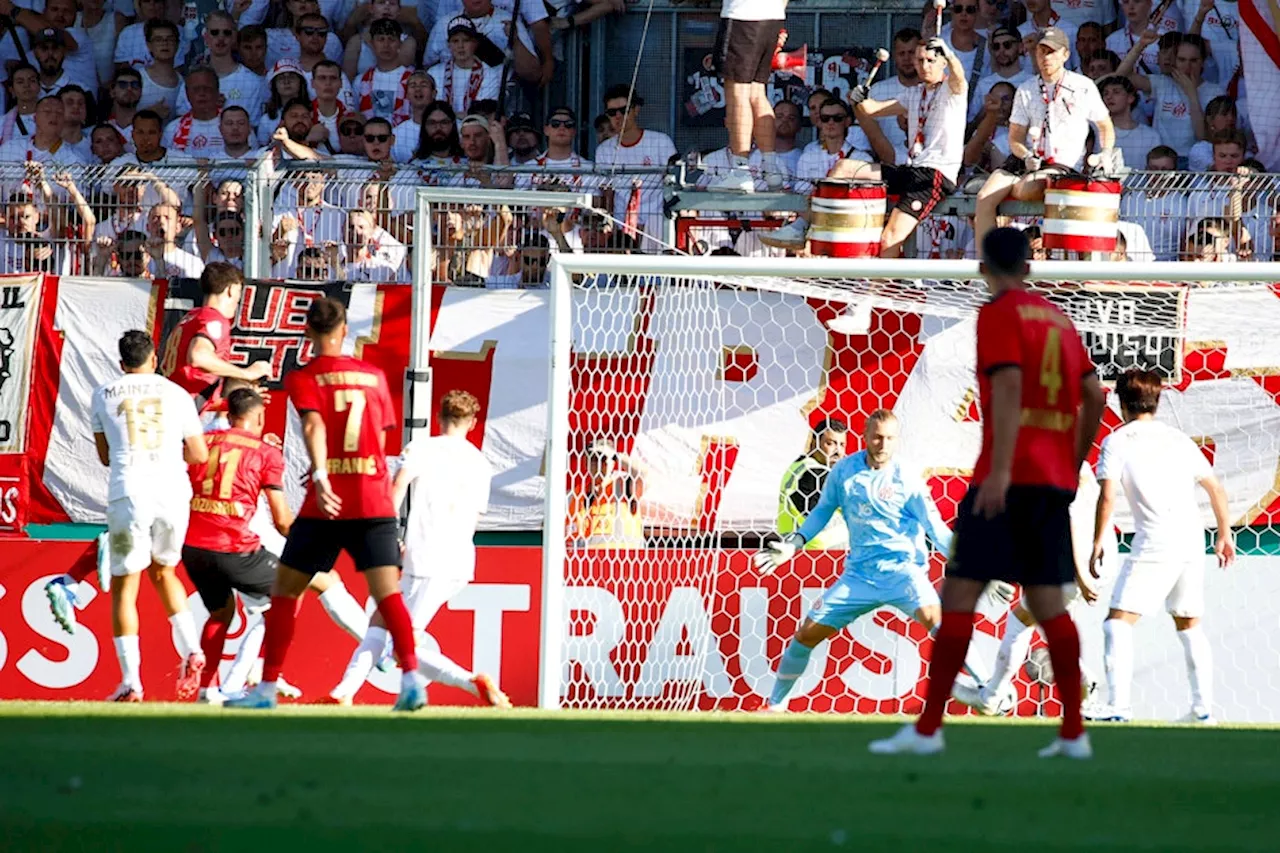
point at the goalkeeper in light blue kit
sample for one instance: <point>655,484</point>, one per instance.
<point>888,512</point>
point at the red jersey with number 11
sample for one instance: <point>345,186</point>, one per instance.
<point>225,490</point>
<point>1022,329</point>
<point>354,400</point>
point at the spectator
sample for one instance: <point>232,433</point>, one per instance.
<point>1228,151</point>
<point>813,103</point>
<point>1101,63</point>
<point>1222,32</point>
<point>60,16</point>
<point>314,263</point>
<point>988,145</point>
<point>484,142</point>
<point>1137,14</point>
<point>1133,138</point>
<point>1209,241</point>
<point>534,62</point>
<point>239,86</point>
<point>786,127</point>
<point>819,156</point>
<point>21,227</point>
<point>1219,114</point>
<point>1006,67</point>
<point>75,108</point>
<point>523,137</point>
<point>50,52</point>
<point>319,222</point>
<point>1163,203</point>
<point>160,79</point>
<point>106,143</point>
<point>226,243</point>
<point>282,43</point>
<point>350,138</point>
<point>1040,16</point>
<point>420,92</point>
<point>489,22</point>
<point>606,513</point>
<point>327,110</point>
<point>125,258</point>
<point>560,227</point>
<point>146,140</point>
<point>166,259</point>
<point>296,132</point>
<point>312,32</point>
<point>126,210</point>
<point>560,161</point>
<point>1177,101</point>
<point>125,92</point>
<point>252,47</point>
<point>19,122</point>
<point>234,128</point>
<point>133,45</point>
<point>463,78</point>
<point>99,24</point>
<point>379,136</point>
<point>905,44</point>
<point>375,254</point>
<point>1089,40</point>
<point>45,143</point>
<point>964,39</point>
<point>639,205</point>
<point>438,142</point>
<point>1099,13</point>
<point>360,54</point>
<point>198,133</point>
<point>380,91</point>
<point>285,84</point>
<point>603,126</point>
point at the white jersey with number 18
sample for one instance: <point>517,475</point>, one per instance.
<point>450,491</point>
<point>146,419</point>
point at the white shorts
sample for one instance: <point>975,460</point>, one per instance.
<point>1143,584</point>
<point>424,596</point>
<point>139,532</point>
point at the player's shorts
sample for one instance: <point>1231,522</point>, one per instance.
<point>1144,584</point>
<point>918,188</point>
<point>216,575</point>
<point>1027,544</point>
<point>424,596</point>
<point>744,50</point>
<point>315,543</point>
<point>853,595</point>
<point>139,532</point>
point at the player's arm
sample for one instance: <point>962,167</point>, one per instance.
<point>202,356</point>
<point>281,514</point>
<point>194,450</point>
<point>1101,521</point>
<point>315,437</point>
<point>1093,401</point>
<point>400,487</point>
<point>104,449</point>
<point>1224,545</point>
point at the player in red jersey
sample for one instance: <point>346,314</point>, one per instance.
<point>198,352</point>
<point>1041,404</point>
<point>221,554</point>
<point>346,410</point>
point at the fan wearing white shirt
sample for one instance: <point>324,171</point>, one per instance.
<point>1219,22</point>
<point>1006,67</point>
<point>786,127</point>
<point>449,479</point>
<point>832,145</point>
<point>1158,468</point>
<point>1047,131</point>
<point>636,200</point>
<point>463,79</point>
<point>1040,16</point>
<point>45,144</point>
<point>19,122</point>
<point>988,145</point>
<point>147,431</point>
<point>1134,139</point>
<point>198,133</point>
<point>935,125</point>
<point>419,91</point>
<point>906,42</point>
<point>1137,15</point>
<point>132,48</point>
<point>1178,100</point>
<point>166,259</point>
<point>969,45</point>
<point>239,86</point>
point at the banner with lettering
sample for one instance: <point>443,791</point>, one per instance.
<point>19,307</point>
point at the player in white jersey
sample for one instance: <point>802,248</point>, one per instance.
<point>450,479</point>
<point>997,695</point>
<point>147,430</point>
<point>1158,468</point>
<point>1047,131</point>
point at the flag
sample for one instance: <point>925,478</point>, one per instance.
<point>1260,56</point>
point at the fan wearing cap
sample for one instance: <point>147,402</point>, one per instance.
<point>380,91</point>
<point>560,158</point>
<point>935,112</point>
<point>60,16</point>
<point>420,91</point>
<point>533,60</point>
<point>360,55</point>
<point>484,142</point>
<point>523,139</point>
<point>1006,66</point>
<point>463,78</point>
<point>635,201</point>
<point>489,22</point>
<point>285,83</point>
<point>1047,131</point>
<point>50,54</point>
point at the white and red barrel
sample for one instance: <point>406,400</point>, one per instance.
<point>1080,214</point>
<point>846,218</point>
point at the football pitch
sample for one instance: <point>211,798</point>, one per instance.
<point>87,776</point>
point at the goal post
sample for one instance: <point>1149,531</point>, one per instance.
<point>702,378</point>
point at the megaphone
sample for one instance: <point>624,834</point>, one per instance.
<point>791,60</point>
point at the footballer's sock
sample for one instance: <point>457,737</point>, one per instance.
<point>950,646</point>
<point>344,610</point>
<point>1118,658</point>
<point>246,655</point>
<point>186,638</point>
<point>434,666</point>
<point>362,661</point>
<point>1013,651</point>
<point>130,657</point>
<point>795,659</point>
<point>281,620</point>
<point>212,638</point>
<point>400,627</point>
<point>1199,668</point>
<point>1064,654</point>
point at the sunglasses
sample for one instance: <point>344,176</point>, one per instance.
<point>964,10</point>
<point>615,111</point>
<point>129,84</point>
<point>562,122</point>
<point>827,118</point>
<point>221,33</point>
<point>352,130</point>
<point>314,31</point>
<point>1004,45</point>
<point>377,137</point>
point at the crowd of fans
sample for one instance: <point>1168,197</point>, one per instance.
<point>131,127</point>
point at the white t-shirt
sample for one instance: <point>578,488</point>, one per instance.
<point>1158,468</point>
<point>20,148</point>
<point>816,163</point>
<point>194,137</point>
<point>754,10</point>
<point>449,493</point>
<point>131,47</point>
<point>488,82</point>
<point>1075,104</point>
<point>944,111</point>
<point>1221,28</point>
<point>891,89</point>
<point>1122,41</point>
<point>407,134</point>
<point>1136,143</point>
<point>176,263</point>
<point>983,87</point>
<point>240,88</point>
<point>146,418</point>
<point>154,93</point>
<point>1172,111</point>
<point>1077,12</point>
<point>653,148</point>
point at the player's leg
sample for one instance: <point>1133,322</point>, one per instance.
<point>61,590</point>
<point>374,546</point>
<point>1019,631</point>
<point>124,629</point>
<point>1049,606</point>
<point>370,651</point>
<point>250,650</point>
<point>795,657</point>
<point>916,596</point>
<point>168,532</point>
<point>762,124</point>
<point>996,189</point>
<point>1139,588</point>
<point>215,592</point>
<point>1186,606</point>
<point>340,604</point>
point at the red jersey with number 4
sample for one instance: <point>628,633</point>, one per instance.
<point>225,490</point>
<point>1022,329</point>
<point>205,323</point>
<point>354,400</point>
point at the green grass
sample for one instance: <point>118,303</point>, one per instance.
<point>178,778</point>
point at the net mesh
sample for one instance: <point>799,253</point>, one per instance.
<point>692,396</point>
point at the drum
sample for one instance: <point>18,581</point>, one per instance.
<point>846,218</point>
<point>1080,214</point>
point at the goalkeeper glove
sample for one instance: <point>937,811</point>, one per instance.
<point>772,556</point>
<point>1000,593</point>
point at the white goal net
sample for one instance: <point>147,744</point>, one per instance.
<point>682,389</point>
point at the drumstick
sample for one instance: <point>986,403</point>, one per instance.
<point>938,6</point>
<point>882,56</point>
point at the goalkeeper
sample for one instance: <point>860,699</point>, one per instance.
<point>888,513</point>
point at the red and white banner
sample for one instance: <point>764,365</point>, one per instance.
<point>1260,57</point>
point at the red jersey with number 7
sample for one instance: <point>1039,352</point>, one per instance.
<point>354,400</point>
<point>207,323</point>
<point>225,490</point>
<point>1022,329</point>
